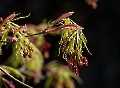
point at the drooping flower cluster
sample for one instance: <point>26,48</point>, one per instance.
<point>15,34</point>
<point>71,44</point>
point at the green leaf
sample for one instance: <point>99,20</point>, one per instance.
<point>4,36</point>
<point>15,58</point>
<point>14,72</point>
<point>59,83</point>
<point>48,82</point>
<point>36,62</point>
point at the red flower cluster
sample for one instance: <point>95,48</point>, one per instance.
<point>73,63</point>
<point>44,48</point>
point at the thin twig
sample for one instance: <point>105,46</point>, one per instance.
<point>14,78</point>
<point>34,34</point>
<point>47,31</point>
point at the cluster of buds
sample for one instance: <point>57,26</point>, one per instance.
<point>74,62</point>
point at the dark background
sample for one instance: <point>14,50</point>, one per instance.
<point>101,27</point>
